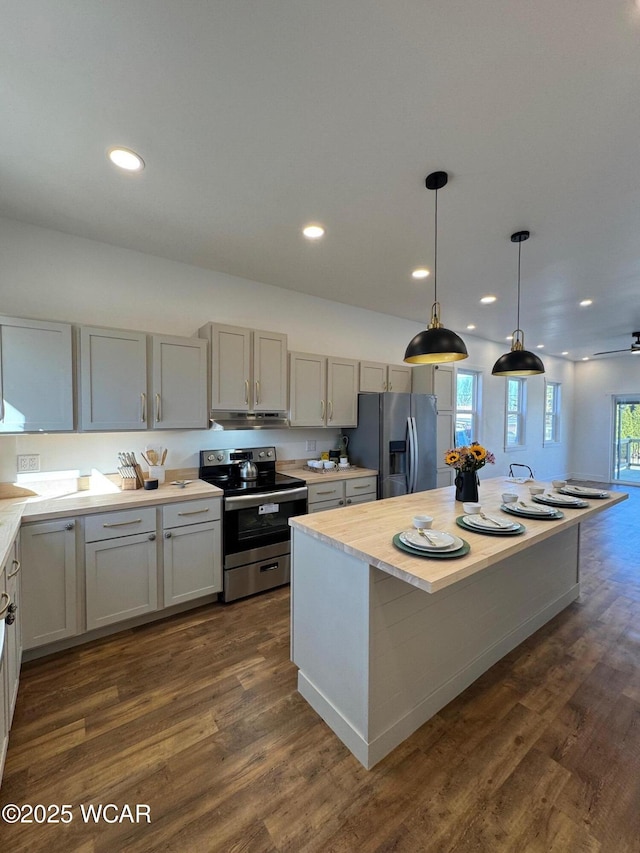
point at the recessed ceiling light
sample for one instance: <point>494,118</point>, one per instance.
<point>509,338</point>
<point>421,272</point>
<point>540,346</point>
<point>586,358</point>
<point>313,231</point>
<point>487,300</point>
<point>565,352</point>
<point>586,302</point>
<point>471,326</point>
<point>126,159</point>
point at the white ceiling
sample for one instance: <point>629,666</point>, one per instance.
<point>257,116</point>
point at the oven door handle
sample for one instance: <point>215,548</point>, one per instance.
<point>247,501</point>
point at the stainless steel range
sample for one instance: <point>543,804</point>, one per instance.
<point>258,503</point>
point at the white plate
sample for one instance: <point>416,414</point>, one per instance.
<point>558,500</point>
<point>580,492</point>
<point>486,524</point>
<point>529,510</point>
<point>441,541</point>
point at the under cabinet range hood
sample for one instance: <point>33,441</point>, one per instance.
<point>249,420</point>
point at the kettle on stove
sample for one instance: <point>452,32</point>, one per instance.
<point>248,470</point>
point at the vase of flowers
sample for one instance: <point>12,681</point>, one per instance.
<point>467,461</point>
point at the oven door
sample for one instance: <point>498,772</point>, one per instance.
<point>254,521</point>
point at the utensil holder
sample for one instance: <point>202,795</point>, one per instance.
<point>156,472</point>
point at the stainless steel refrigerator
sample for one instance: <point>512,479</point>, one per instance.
<point>396,435</point>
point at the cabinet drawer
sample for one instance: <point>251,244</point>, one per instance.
<point>191,512</point>
<point>325,491</point>
<point>320,506</point>
<point>108,525</point>
<point>361,486</point>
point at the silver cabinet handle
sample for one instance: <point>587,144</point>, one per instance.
<point>15,563</point>
<point>123,523</point>
<point>69,526</point>
<point>257,390</point>
<point>194,511</point>
<point>4,596</point>
<point>322,409</point>
<point>143,408</point>
<point>390,387</point>
<point>246,391</point>
<point>331,492</point>
<point>158,409</point>
<point>330,418</point>
<point>359,487</point>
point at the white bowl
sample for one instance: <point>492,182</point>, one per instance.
<point>509,497</point>
<point>536,490</point>
<point>422,521</point>
<point>558,484</point>
<point>471,508</point>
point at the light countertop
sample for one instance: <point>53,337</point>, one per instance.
<point>366,531</point>
<point>330,476</point>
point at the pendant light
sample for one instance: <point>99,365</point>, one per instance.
<point>518,361</point>
<point>435,344</point>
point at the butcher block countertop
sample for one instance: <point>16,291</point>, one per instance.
<point>329,476</point>
<point>366,531</point>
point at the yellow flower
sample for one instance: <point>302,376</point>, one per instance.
<point>477,451</point>
<point>451,457</point>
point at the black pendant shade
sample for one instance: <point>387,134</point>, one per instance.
<point>518,361</point>
<point>435,344</point>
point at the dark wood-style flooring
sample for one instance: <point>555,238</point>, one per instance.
<point>198,717</point>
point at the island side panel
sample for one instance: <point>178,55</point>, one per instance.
<point>426,648</point>
<point>330,636</point>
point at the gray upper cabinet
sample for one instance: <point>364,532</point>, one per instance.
<point>113,379</point>
<point>324,390</point>
<point>376,376</point>
<point>178,382</point>
<point>36,376</point>
<point>248,369</point>
<point>118,392</point>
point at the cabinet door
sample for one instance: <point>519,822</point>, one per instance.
<point>49,603</point>
<point>113,379</point>
<point>230,368</point>
<point>4,696</point>
<point>308,388</point>
<point>373,376</point>
<point>323,492</point>
<point>179,383</point>
<point>399,378</point>
<point>122,579</point>
<point>192,562</point>
<point>36,382</point>
<point>444,441</point>
<point>342,392</point>
<point>14,632</point>
<point>320,506</point>
<point>270,387</point>
<point>444,386</point>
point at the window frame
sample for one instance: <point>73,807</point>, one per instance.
<point>520,412</point>
<point>475,412</point>
<point>555,414</point>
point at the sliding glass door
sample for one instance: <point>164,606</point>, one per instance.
<point>626,439</point>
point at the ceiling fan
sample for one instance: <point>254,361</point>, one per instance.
<point>634,348</point>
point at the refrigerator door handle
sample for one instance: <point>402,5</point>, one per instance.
<point>415,458</point>
<point>409,471</point>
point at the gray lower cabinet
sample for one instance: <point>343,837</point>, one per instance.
<point>121,566</point>
<point>337,493</point>
<point>48,555</point>
<point>192,550</point>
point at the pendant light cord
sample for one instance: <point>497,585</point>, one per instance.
<point>519,253</point>
<point>435,256</point>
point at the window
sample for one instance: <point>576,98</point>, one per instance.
<point>515,414</point>
<point>467,407</point>
<point>551,413</point>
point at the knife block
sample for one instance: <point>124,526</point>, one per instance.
<point>129,483</point>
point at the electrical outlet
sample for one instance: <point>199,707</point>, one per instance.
<point>28,462</point>
<point>311,446</point>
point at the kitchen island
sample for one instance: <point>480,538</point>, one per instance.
<point>383,639</point>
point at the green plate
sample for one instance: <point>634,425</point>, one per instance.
<point>437,555</point>
<point>491,532</point>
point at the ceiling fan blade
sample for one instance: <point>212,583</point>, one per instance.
<point>611,351</point>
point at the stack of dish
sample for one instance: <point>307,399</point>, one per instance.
<point>559,500</point>
<point>431,543</point>
<point>582,492</point>
<point>489,524</point>
<point>530,511</point>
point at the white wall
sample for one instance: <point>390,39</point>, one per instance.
<point>597,383</point>
<point>45,274</point>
